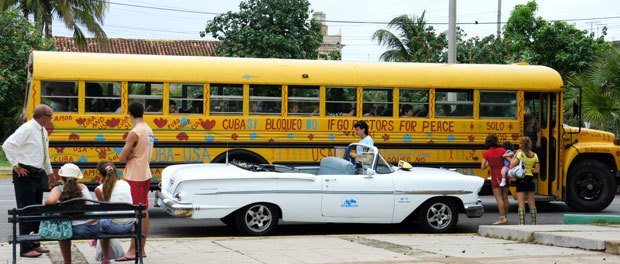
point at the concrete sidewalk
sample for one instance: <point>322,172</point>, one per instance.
<point>519,247</point>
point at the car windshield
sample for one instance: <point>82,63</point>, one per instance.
<point>382,166</point>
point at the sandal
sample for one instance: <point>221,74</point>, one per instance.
<point>501,221</point>
<point>42,249</point>
<point>125,258</point>
<point>31,254</point>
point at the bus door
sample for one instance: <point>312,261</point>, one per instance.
<point>544,108</point>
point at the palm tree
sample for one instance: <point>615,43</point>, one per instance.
<point>414,42</point>
<point>73,13</point>
<point>601,92</point>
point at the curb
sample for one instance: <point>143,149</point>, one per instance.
<point>573,219</point>
<point>612,247</point>
<point>588,237</point>
<point>6,172</point>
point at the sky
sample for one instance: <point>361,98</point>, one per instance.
<point>124,21</point>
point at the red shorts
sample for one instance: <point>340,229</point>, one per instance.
<point>140,192</point>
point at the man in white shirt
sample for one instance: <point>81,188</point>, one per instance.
<point>27,151</point>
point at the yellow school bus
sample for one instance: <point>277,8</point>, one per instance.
<point>298,111</point>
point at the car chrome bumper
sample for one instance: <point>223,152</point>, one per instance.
<point>474,211</point>
<point>172,207</point>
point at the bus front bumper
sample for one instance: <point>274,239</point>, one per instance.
<point>474,211</point>
<point>171,207</point>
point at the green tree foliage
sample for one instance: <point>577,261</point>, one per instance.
<point>75,14</point>
<point>558,45</point>
<point>415,41</point>
<point>331,55</point>
<point>601,93</point>
<point>490,50</point>
<point>18,38</point>
<point>267,29</point>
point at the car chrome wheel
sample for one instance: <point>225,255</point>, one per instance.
<point>439,216</point>
<point>258,218</point>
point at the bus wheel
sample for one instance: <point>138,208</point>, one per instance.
<point>240,155</point>
<point>591,186</point>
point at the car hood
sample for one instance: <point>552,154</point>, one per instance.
<point>421,179</point>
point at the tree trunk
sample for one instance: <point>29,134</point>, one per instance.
<point>47,21</point>
<point>24,8</point>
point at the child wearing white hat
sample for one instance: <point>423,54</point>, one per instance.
<point>70,189</point>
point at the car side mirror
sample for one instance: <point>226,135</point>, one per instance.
<point>370,172</point>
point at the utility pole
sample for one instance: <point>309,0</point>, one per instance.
<point>452,33</point>
<point>592,23</point>
<point>499,18</point>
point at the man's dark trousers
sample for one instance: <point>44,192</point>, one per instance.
<point>29,191</point>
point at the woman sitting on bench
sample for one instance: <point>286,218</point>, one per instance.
<point>70,189</point>
<point>117,191</point>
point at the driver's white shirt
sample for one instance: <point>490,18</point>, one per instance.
<point>366,141</point>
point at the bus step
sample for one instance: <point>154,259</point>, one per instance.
<point>543,198</point>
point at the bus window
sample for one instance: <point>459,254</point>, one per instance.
<point>60,96</point>
<point>149,94</point>
<point>303,100</point>
<point>454,103</point>
<point>186,98</point>
<point>265,99</point>
<point>413,102</point>
<point>498,104</point>
<point>341,101</point>
<point>377,102</point>
<point>103,97</point>
<point>226,99</point>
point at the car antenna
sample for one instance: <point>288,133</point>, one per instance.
<point>226,153</point>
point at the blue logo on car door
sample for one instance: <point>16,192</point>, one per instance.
<point>349,203</point>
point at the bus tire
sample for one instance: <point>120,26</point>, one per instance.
<point>591,186</point>
<point>240,155</point>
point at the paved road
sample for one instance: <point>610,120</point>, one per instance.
<point>163,225</point>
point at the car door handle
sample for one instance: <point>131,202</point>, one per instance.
<point>330,180</point>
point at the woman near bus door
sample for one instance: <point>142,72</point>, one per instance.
<point>117,191</point>
<point>525,185</point>
<point>531,127</point>
<point>494,159</point>
<point>69,174</point>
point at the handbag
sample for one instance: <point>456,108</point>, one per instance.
<point>56,229</point>
<point>116,250</point>
<point>519,170</point>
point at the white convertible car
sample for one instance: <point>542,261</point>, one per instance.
<point>255,197</point>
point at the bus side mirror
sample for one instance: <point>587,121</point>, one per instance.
<point>575,109</point>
